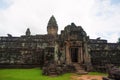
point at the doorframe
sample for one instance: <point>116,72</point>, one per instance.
<point>76,54</point>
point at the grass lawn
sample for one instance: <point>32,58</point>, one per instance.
<point>35,74</point>
<point>97,73</point>
<point>28,74</point>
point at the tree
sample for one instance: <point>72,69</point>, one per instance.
<point>118,40</point>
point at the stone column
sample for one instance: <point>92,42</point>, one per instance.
<point>87,58</point>
<point>56,52</point>
<point>63,55</point>
<point>68,58</point>
<point>79,55</point>
<point>82,57</point>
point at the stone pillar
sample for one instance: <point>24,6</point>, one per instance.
<point>79,55</point>
<point>56,52</point>
<point>87,58</point>
<point>87,55</point>
<point>63,56</point>
<point>68,58</point>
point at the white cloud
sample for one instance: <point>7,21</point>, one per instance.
<point>107,19</point>
<point>96,16</point>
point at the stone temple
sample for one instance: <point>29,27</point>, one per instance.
<point>71,48</point>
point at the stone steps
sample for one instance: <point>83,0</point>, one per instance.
<point>52,73</point>
<point>79,69</point>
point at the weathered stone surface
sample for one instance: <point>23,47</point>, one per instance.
<point>113,72</point>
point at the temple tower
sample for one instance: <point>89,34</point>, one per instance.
<point>52,27</point>
<point>28,33</point>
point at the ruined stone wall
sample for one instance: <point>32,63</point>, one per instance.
<point>25,51</point>
<point>103,53</point>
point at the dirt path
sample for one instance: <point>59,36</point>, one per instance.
<point>86,77</point>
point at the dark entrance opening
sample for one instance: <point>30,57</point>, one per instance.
<point>74,54</point>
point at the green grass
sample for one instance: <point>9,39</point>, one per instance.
<point>34,74</point>
<point>28,74</point>
<point>97,73</point>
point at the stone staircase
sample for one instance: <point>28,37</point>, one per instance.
<point>53,72</point>
<point>79,69</point>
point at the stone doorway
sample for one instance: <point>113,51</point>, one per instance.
<point>74,54</point>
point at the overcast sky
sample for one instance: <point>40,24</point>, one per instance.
<point>99,18</point>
